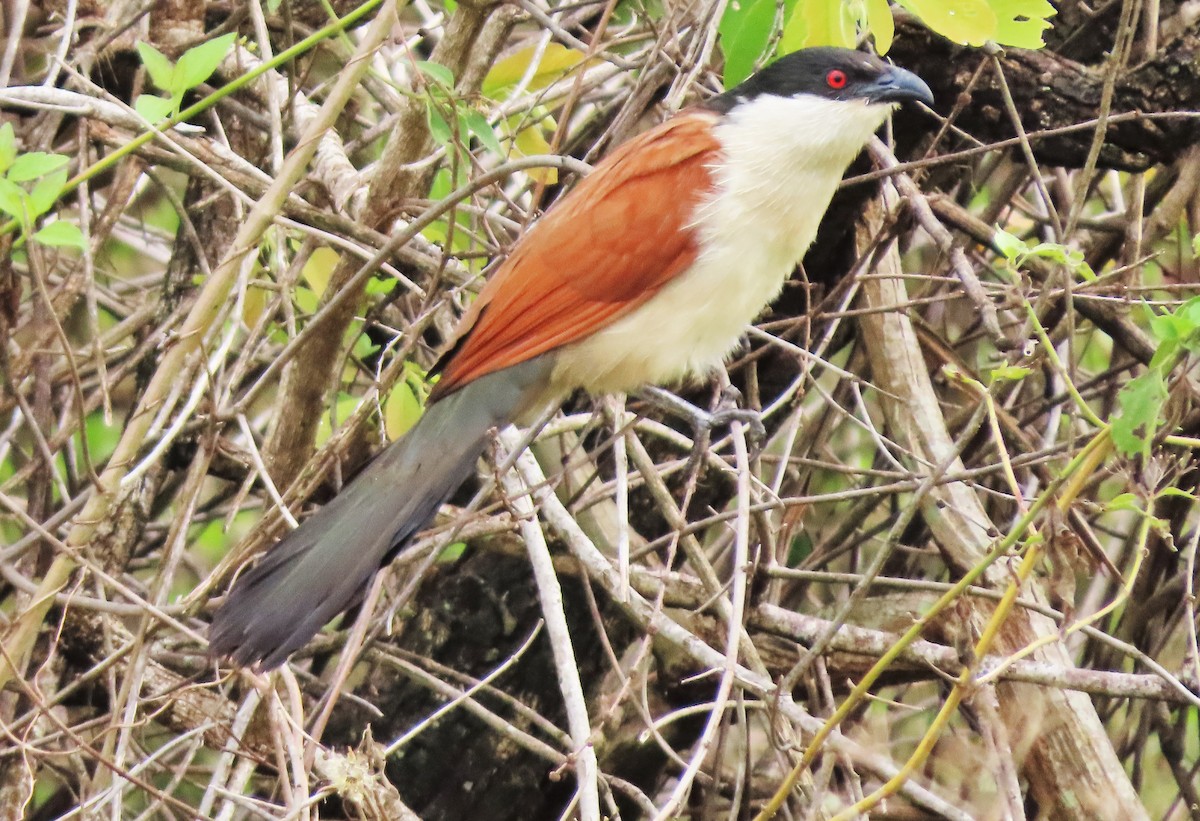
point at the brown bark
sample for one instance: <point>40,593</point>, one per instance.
<point>1052,92</point>
<point>398,178</point>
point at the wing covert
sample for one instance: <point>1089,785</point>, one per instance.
<point>603,250</point>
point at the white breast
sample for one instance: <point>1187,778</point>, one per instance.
<point>783,159</point>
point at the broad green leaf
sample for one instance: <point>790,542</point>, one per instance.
<point>254,303</point>
<point>363,346</point>
<point>379,286</point>
<point>12,200</point>
<point>1140,401</point>
<point>1009,245</point>
<point>343,408</point>
<point>556,61</point>
<point>451,553</point>
<point>1020,23</point>
<point>1195,244</point>
<point>1164,356</point>
<point>319,268</point>
<point>1177,491</point>
<point>530,142</point>
<point>197,64</point>
<point>967,22</point>
<point>437,72</point>
<point>818,23</point>
<point>45,193</point>
<point>1169,327</point>
<point>1051,251</point>
<point>439,129</point>
<point>401,410</point>
<point>160,69</point>
<point>61,234</point>
<point>745,30</point>
<point>306,300</point>
<point>34,164</point>
<point>1190,313</point>
<point>152,108</point>
<point>1124,501</point>
<point>8,146</point>
<point>880,23</point>
<point>478,125</point>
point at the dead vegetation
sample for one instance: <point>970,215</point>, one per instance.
<point>946,580</point>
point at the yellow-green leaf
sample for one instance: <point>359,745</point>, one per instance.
<point>531,141</point>
<point>818,23</point>
<point>1020,23</point>
<point>556,61</point>
<point>968,22</point>
<point>745,30</point>
<point>317,270</point>
<point>880,23</point>
<point>401,410</point>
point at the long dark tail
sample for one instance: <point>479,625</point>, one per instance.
<point>322,567</point>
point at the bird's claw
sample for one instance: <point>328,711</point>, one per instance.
<point>756,431</point>
<point>703,423</point>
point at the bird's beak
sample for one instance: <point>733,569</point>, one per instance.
<point>897,85</point>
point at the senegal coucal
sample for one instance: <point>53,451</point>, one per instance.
<point>648,271</point>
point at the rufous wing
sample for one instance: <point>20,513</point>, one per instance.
<point>603,250</point>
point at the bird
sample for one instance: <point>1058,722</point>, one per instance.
<point>647,272</point>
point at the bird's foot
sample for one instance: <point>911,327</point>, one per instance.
<point>725,412</point>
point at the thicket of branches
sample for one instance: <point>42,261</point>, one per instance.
<point>956,580</point>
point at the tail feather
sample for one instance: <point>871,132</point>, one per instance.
<point>322,567</point>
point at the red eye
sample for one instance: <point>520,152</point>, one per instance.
<point>836,78</point>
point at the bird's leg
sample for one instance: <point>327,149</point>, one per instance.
<point>725,410</point>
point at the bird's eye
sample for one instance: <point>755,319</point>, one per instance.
<point>836,78</point>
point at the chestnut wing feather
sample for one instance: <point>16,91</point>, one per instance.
<point>603,250</point>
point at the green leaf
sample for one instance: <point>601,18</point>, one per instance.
<point>478,125</point>
<point>451,552</point>
<point>1168,327</point>
<point>1009,245</point>
<point>61,234</point>
<point>555,62</point>
<point>160,69</point>
<point>437,72</point>
<point>1010,373</point>
<point>35,164</point>
<point>967,22</point>
<point>1177,491</point>
<point>1051,251</point>
<point>745,30</point>
<point>401,410</point>
<point>439,129</point>
<point>8,146</point>
<point>197,64</point>
<point>1190,310</point>
<point>1124,501</point>
<point>154,109</point>
<point>379,286</point>
<point>46,192</point>
<point>12,200</point>
<point>880,23</point>
<point>1164,355</point>
<point>1020,23</point>
<point>1141,402</point>
<point>1195,243</point>
<point>818,23</point>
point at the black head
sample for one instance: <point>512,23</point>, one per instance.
<point>832,73</point>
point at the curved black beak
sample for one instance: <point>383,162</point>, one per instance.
<point>897,85</point>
